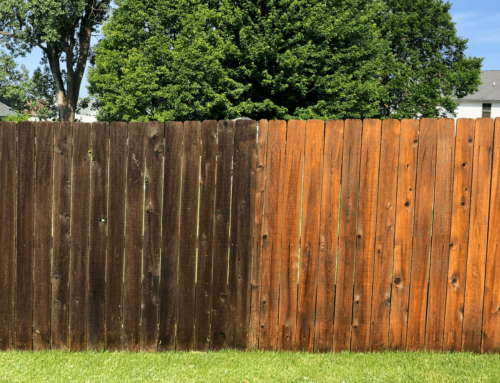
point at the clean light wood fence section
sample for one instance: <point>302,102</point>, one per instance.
<point>300,235</point>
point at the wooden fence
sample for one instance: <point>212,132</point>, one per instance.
<point>344,235</point>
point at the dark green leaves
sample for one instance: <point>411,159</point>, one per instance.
<point>193,60</point>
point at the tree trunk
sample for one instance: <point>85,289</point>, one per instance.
<point>64,108</point>
<point>65,105</point>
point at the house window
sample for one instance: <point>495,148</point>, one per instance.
<point>486,110</point>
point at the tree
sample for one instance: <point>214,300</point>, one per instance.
<point>197,59</point>
<point>15,82</point>
<point>188,59</point>
<point>62,29</point>
<point>27,94</point>
<point>429,67</point>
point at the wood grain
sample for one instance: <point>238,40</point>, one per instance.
<point>365,241</point>
<point>328,236</point>
<point>25,226</point>
<point>478,235</point>
<point>464,150</point>
<point>260,185</point>
<point>187,244</point>
<point>290,239</point>
<point>79,236</point>
<point>440,250</point>
<point>309,247</point>
<point>426,171</point>
<point>7,235</point>
<point>170,235</point>
<point>384,239</point>
<point>43,235</point>
<point>206,235</point>
<point>137,132</point>
<point>491,313</point>
<point>221,234</point>
<point>347,235</point>
<point>97,236</point>
<point>152,236</point>
<point>271,243</point>
<point>240,260</point>
<point>63,149</point>
<point>116,235</point>
<point>403,236</point>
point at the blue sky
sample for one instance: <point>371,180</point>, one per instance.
<point>477,20</point>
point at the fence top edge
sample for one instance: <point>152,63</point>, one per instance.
<point>101,123</point>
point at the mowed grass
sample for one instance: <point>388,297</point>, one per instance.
<point>254,366</point>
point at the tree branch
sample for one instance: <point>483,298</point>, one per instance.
<point>85,35</point>
<point>7,34</point>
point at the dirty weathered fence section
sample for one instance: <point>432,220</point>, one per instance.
<point>299,235</point>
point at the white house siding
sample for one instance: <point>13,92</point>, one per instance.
<point>475,109</point>
<point>85,118</point>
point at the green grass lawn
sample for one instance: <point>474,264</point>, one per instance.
<point>232,366</point>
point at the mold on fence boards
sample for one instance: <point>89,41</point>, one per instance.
<point>282,235</point>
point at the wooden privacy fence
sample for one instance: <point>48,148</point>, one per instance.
<point>344,235</point>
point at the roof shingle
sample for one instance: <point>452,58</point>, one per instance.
<point>5,110</point>
<point>489,90</point>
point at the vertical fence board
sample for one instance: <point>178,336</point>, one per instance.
<point>240,260</point>
<point>478,235</point>
<point>137,132</point>
<point>43,235</point>
<point>347,235</point>
<point>63,149</point>
<point>79,236</point>
<point>384,240</point>
<point>25,226</point>
<point>403,236</point>
<point>271,244</point>
<point>290,242</point>
<point>221,234</point>
<point>365,242</point>
<point>7,234</point>
<point>459,235</point>
<point>97,236</point>
<point>328,236</point>
<point>152,237</point>
<point>116,235</point>
<point>426,170</point>
<point>440,235</point>
<point>491,315</point>
<point>206,235</point>
<point>170,235</point>
<point>309,247</point>
<point>260,185</point>
<point>187,248</point>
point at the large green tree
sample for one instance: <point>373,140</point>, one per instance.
<point>429,69</point>
<point>190,59</point>
<point>62,29</point>
<point>197,59</point>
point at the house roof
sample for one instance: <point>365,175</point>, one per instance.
<point>489,90</point>
<point>5,110</point>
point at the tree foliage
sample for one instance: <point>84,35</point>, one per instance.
<point>15,84</point>
<point>24,92</point>
<point>18,117</point>
<point>62,29</point>
<point>429,69</point>
<point>207,59</point>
